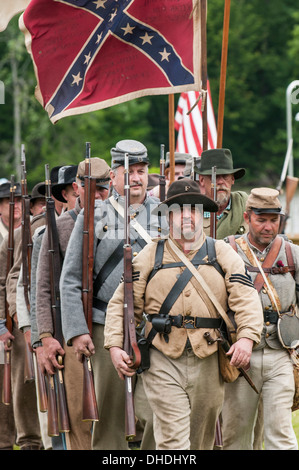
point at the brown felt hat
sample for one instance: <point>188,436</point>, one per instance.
<point>223,161</point>
<point>186,191</point>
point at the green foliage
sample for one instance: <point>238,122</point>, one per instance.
<point>262,61</point>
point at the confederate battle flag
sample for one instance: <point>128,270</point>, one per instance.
<point>92,54</point>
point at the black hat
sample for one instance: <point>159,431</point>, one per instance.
<point>223,161</point>
<point>5,190</point>
<point>66,176</point>
<point>136,150</point>
<point>35,194</point>
<point>186,191</point>
<point>53,177</point>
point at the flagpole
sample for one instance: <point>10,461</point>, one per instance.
<point>223,73</point>
<point>171,136</point>
<point>204,74</point>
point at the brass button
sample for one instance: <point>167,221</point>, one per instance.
<point>264,291</point>
<point>187,293</point>
<point>267,323</point>
<point>267,308</point>
<point>135,253</point>
<point>267,335</point>
<point>262,259</point>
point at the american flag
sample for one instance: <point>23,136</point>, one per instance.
<point>91,54</point>
<point>189,126</point>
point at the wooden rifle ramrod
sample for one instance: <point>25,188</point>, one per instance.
<point>6,391</point>
<point>29,374</point>
<point>89,408</point>
<point>58,420</point>
<point>130,342</point>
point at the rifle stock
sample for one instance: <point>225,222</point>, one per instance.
<point>6,391</point>
<point>41,390</point>
<point>130,341</point>
<point>89,405</point>
<point>55,269</point>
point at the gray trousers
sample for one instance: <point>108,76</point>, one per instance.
<point>272,373</point>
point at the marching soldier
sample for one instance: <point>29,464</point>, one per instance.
<point>231,205</point>
<point>24,427</point>
<point>273,265</point>
<point>183,384</point>
<point>109,431</point>
<point>79,437</point>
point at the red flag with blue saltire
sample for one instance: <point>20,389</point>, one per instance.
<point>92,54</point>
<point>189,126</point>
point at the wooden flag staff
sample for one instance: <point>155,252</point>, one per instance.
<point>223,73</point>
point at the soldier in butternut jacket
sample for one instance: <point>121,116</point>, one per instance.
<point>183,384</point>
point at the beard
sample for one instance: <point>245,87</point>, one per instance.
<point>222,198</point>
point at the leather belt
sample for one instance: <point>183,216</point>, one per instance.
<point>189,322</point>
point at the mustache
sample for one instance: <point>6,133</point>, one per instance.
<point>135,184</point>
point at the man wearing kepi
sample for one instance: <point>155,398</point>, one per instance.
<point>273,265</point>
<point>109,431</point>
<point>183,383</point>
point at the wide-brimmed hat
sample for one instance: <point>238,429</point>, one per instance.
<point>53,178</point>
<point>136,151</point>
<point>186,191</point>
<point>223,161</point>
<point>66,176</point>
<point>5,190</point>
<point>35,193</point>
<point>264,201</point>
<point>99,169</point>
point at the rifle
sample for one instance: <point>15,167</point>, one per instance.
<point>162,182</point>
<point>213,196</point>
<point>6,391</point>
<point>26,260</point>
<point>58,420</point>
<point>130,342</point>
<point>89,409</point>
<point>226,347</point>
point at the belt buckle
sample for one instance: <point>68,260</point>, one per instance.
<point>188,323</point>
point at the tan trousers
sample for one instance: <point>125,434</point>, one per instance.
<point>186,396</point>
<point>272,373</point>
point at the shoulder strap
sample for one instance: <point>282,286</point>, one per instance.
<point>73,214</point>
<point>232,241</point>
<point>290,258</point>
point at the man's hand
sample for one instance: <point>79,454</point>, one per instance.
<point>7,339</point>
<point>83,346</point>
<point>122,362</point>
<point>240,353</point>
<point>52,349</point>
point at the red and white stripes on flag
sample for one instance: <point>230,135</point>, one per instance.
<point>189,126</point>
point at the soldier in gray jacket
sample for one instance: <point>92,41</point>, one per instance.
<point>79,437</point>
<point>109,432</point>
<point>273,264</point>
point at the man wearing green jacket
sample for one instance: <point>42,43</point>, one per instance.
<point>229,217</point>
